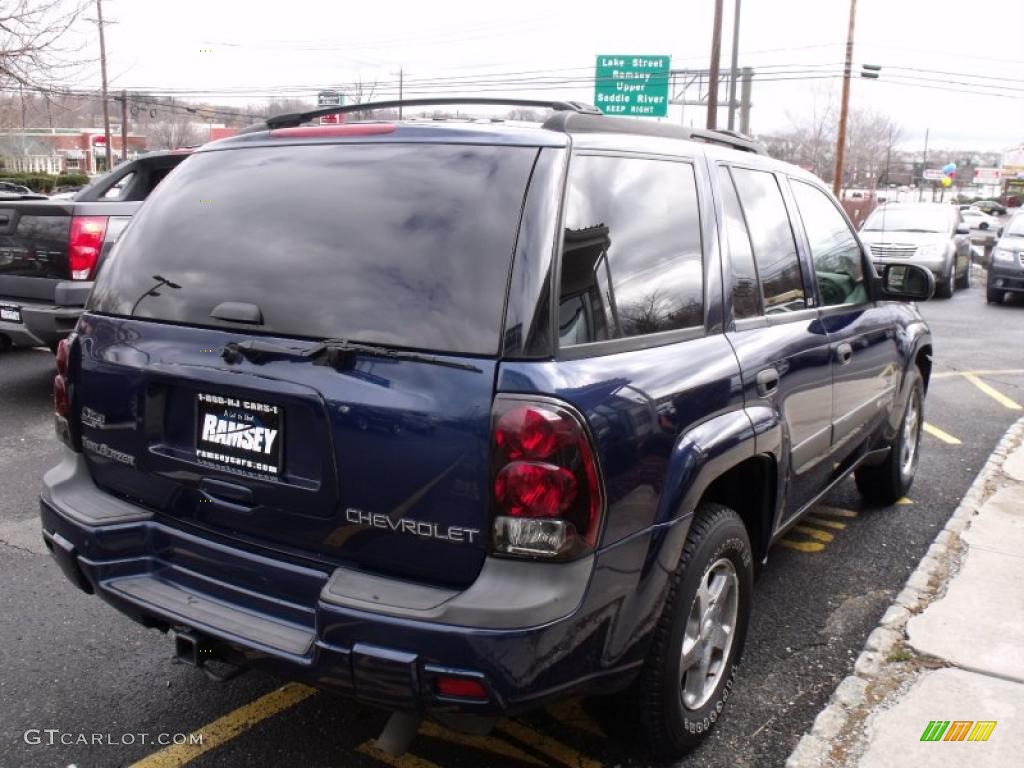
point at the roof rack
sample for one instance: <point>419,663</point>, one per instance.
<point>589,122</point>
<point>294,119</point>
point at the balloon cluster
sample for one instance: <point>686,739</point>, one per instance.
<point>948,174</point>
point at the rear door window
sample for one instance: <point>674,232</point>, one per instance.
<point>778,265</point>
<point>401,244</point>
<point>631,256</point>
<point>746,296</point>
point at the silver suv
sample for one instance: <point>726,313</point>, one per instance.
<point>931,235</point>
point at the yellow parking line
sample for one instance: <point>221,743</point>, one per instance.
<point>835,525</point>
<point>953,374</point>
<point>802,546</point>
<point>904,502</point>
<point>835,511</point>
<point>408,760</point>
<point>570,712</point>
<point>943,436</point>
<point>225,728</point>
<point>994,393</point>
<point>547,745</point>
<point>814,533</point>
<point>483,743</point>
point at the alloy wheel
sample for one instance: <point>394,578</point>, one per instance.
<point>709,634</point>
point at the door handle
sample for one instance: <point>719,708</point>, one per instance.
<point>844,353</point>
<point>767,382</point>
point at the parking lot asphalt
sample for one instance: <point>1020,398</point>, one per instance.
<point>82,685</point>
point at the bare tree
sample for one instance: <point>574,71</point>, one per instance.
<point>176,130</point>
<point>33,33</point>
<point>811,142</point>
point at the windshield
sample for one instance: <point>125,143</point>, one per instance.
<point>1016,227</point>
<point>401,244</point>
<point>911,219</point>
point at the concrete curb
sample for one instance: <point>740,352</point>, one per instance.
<point>924,585</point>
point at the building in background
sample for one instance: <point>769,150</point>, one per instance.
<point>64,150</point>
<point>1012,167</point>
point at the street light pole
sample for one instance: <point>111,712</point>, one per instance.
<point>103,80</point>
<point>844,106</point>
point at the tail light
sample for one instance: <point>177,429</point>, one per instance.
<point>84,245</point>
<point>62,392</point>
<point>546,488</point>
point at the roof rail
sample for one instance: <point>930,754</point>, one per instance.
<point>588,122</point>
<point>294,119</point>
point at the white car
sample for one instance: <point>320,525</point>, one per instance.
<point>981,222</point>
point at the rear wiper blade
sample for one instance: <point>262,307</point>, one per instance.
<point>333,352</point>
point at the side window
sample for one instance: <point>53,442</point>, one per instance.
<point>838,263</point>
<point>745,294</point>
<point>774,247</point>
<point>115,192</point>
<point>632,257</point>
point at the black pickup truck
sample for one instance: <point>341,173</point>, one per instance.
<point>50,250</point>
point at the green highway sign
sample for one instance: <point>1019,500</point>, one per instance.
<point>632,85</point>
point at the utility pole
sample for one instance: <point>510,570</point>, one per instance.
<point>401,82</point>
<point>844,106</point>
<point>734,69</point>
<point>716,55</point>
<point>124,126</point>
<point>924,165</point>
<point>103,77</point>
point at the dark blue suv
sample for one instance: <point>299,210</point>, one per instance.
<point>459,417</point>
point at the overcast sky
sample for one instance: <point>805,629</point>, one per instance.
<point>240,52</point>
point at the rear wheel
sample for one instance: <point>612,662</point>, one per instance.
<point>689,671</point>
<point>889,481</point>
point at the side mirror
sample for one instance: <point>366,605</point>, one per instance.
<point>906,282</point>
<point>963,229</point>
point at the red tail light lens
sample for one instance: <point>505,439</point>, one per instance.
<point>84,245</point>
<point>533,489</point>
<point>546,488</point>
<point>63,352</point>
<point>61,401</point>
<point>460,687</point>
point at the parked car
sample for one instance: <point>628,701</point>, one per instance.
<point>931,235</point>
<point>52,249</point>
<point>990,207</point>
<point>15,189</point>
<point>618,408</point>
<point>1006,270</point>
<point>985,229</point>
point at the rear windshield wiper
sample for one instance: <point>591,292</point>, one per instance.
<point>333,352</point>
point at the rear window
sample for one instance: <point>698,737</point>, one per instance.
<point>400,244</point>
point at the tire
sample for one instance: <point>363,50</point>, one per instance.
<point>993,296</point>
<point>890,481</point>
<point>945,287</point>
<point>670,712</point>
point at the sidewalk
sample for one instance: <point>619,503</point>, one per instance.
<point>946,663</point>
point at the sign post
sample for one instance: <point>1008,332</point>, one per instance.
<point>632,85</point>
<point>330,99</point>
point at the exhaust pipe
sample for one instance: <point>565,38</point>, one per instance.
<point>193,649</point>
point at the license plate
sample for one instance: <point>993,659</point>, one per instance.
<point>239,434</point>
<point>10,312</point>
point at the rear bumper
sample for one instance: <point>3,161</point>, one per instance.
<point>530,631</point>
<point>45,323</point>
